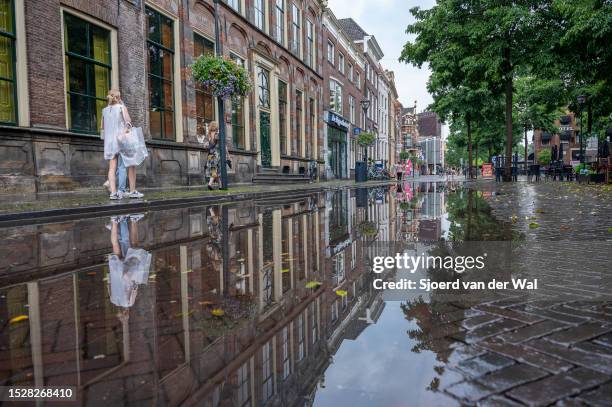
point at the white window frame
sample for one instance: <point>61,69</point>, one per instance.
<point>280,20</point>
<point>331,52</point>
<point>341,62</point>
<point>296,30</point>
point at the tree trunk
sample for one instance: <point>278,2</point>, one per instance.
<point>509,90</point>
<point>476,163</point>
<point>525,150</point>
<point>468,121</point>
<point>490,160</point>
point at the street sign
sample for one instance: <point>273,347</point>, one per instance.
<point>487,170</point>
<point>357,131</point>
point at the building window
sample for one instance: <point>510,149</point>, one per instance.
<point>279,28</point>
<point>338,269</point>
<point>341,62</point>
<point>310,44</point>
<point>286,359</point>
<point>235,4</point>
<point>205,106</point>
<point>282,116</point>
<point>8,86</point>
<point>263,101</point>
<point>335,96</point>
<point>263,83</point>
<point>313,125</point>
<point>350,72</point>
<point>259,9</point>
<point>352,109</point>
<point>88,73</point>
<point>267,372</point>
<point>160,44</point>
<point>296,29</point>
<point>244,387</point>
<point>299,117</point>
<point>334,311</point>
<point>301,337</point>
<point>358,79</point>
<point>238,113</point>
<point>331,52</point>
<point>314,316</point>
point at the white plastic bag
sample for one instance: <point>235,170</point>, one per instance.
<point>132,147</point>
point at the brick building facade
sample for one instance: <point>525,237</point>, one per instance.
<point>567,140</point>
<point>343,70</point>
<point>68,54</point>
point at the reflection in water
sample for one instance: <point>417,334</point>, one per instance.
<point>248,304</point>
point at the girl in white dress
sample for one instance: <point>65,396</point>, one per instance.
<point>115,123</point>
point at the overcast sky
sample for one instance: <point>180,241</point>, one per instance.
<point>387,21</point>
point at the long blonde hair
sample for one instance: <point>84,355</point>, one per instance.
<point>113,97</point>
<point>213,127</point>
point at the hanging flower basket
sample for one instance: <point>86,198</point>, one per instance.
<point>221,76</point>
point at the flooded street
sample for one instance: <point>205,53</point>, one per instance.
<point>269,302</point>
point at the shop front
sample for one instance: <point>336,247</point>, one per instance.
<point>337,134</point>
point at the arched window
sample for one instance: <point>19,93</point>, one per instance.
<point>263,82</point>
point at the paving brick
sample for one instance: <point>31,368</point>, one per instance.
<point>484,364</point>
<point>479,320</point>
<point>461,352</point>
<point>498,401</point>
<point>578,357</point>
<point>526,355</point>
<point>470,391</point>
<point>593,347</point>
<point>601,396</point>
<point>605,340</point>
<point>553,388</point>
<point>490,329</point>
<point>532,331</point>
<point>554,315</point>
<point>511,376</point>
<point>580,333</point>
<point>582,313</point>
<point>570,402</point>
<point>509,313</point>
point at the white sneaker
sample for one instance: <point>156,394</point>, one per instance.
<point>114,197</point>
<point>134,195</point>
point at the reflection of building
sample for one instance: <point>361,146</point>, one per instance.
<point>217,324</point>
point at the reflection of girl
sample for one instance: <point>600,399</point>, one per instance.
<point>128,266</point>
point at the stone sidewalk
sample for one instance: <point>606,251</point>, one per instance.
<point>79,203</point>
<point>549,348</point>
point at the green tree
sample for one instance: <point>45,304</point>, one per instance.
<point>475,43</point>
<point>537,105</point>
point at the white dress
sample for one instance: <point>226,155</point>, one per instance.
<point>114,126</point>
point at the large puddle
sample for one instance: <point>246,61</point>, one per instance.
<point>246,304</point>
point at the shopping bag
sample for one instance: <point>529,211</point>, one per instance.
<point>132,147</point>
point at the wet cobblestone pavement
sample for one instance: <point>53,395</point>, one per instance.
<point>269,302</point>
<point>553,347</point>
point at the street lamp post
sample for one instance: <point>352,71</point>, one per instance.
<point>581,100</point>
<point>365,105</point>
<point>221,105</point>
